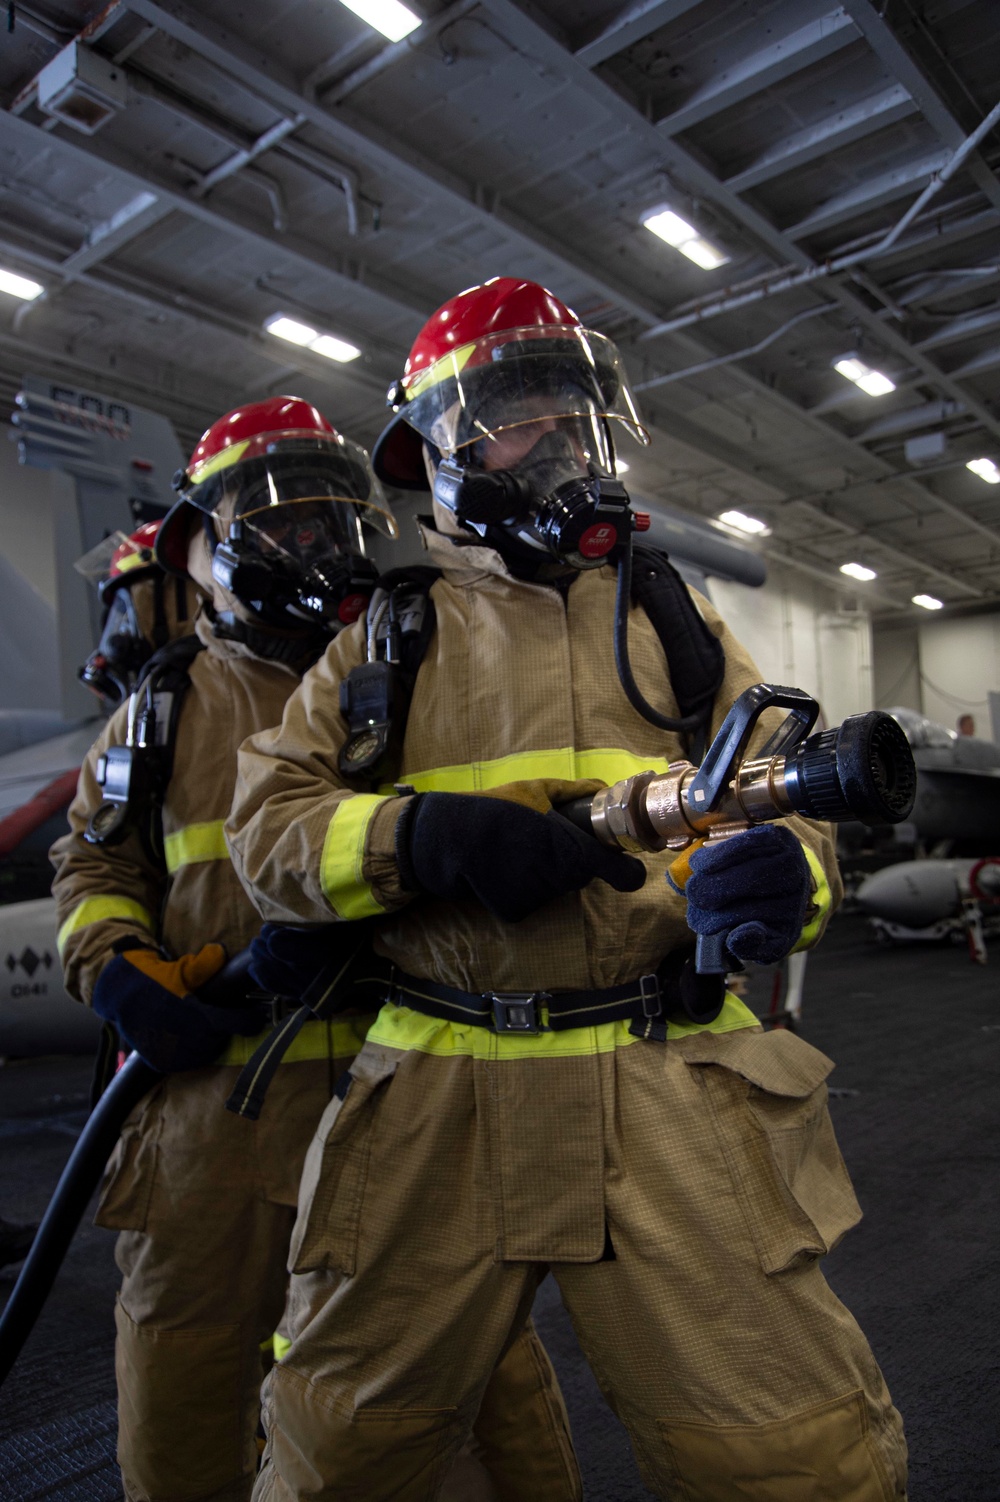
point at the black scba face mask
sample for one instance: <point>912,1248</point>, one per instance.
<point>111,669</point>
<point>545,508</point>
<point>295,563</point>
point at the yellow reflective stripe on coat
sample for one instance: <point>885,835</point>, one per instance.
<point>607,764</point>
<point>101,910</point>
<point>340,872</point>
<point>406,1029</point>
<point>195,843</point>
<point>822,900</point>
<point>281,1345</point>
<point>317,1040</point>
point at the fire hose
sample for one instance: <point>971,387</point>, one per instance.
<point>83,1171</point>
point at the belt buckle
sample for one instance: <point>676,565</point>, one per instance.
<point>649,990</point>
<point>516,1011</point>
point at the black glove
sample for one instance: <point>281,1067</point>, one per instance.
<point>285,960</point>
<point>512,859</point>
<point>150,1001</point>
<point>755,888</point>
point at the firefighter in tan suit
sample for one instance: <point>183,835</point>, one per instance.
<point>536,1094</point>
<point>205,1200</point>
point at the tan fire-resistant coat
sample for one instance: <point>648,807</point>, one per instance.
<point>517,682</point>
<point>105,893</point>
<point>205,1200</point>
<point>680,1192</point>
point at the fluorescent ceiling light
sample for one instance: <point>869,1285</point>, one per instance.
<point>858,571</point>
<point>20,286</point>
<point>685,238</point>
<point>290,329</point>
<point>928,602</point>
<point>334,349</point>
<point>985,469</point>
<point>872,382</point>
<point>743,523</point>
<point>621,468</point>
<point>306,337</point>
<point>387,16</point>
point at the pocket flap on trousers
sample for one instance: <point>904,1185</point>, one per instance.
<point>778,1062</point>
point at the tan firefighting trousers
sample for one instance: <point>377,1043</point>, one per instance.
<point>711,1167</point>
<point>205,1202</point>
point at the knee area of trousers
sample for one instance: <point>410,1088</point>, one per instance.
<point>186,1416</point>
<point>318,1442</point>
<point>831,1453</point>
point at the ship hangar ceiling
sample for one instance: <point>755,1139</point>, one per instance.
<point>246,160</point>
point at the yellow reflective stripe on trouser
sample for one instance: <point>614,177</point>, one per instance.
<point>404,1028</point>
<point>822,900</point>
<point>195,843</point>
<point>99,910</point>
<point>607,764</point>
<point>344,887</point>
<point>317,1040</point>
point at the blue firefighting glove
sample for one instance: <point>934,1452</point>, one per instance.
<point>284,961</point>
<point>754,887</point>
<point>510,858</point>
<point>151,1002</point>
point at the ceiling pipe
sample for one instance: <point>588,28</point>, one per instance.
<point>740,354</point>
<point>787,280</point>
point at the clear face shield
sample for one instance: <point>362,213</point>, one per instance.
<point>525,423</point>
<point>289,514</point>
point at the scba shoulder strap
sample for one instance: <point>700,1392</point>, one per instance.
<point>134,777</point>
<point>375,697</point>
<point>695,659</point>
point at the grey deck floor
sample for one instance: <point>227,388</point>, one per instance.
<point>916,1034</point>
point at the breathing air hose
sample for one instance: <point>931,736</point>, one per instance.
<point>684,725</point>
<point>82,1175</point>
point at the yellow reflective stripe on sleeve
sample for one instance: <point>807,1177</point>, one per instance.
<point>822,900</point>
<point>282,1345</point>
<point>406,1029</point>
<point>608,765</point>
<point>344,887</point>
<point>195,843</point>
<point>317,1040</point>
<point>100,910</point>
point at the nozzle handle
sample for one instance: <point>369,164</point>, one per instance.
<point>726,750</point>
<point>711,957</point>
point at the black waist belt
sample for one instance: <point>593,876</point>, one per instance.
<point>674,989</point>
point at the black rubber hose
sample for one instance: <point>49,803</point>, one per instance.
<point>623,599</point>
<point>82,1175</point>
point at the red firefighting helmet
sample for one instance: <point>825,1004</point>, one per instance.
<point>495,356</point>
<point>259,460</point>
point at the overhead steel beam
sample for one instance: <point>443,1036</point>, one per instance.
<point>963,328</point>
<point>928,414</point>
<point>366,288</point>
<point>631,25</point>
<point>853,123</point>
<point>760,70</point>
<point>886,45</point>
<point>177,302</point>
<point>987,359</point>
<point>711,446</point>
<point>140,213</point>
<point>873,193</point>
<point>250,71</point>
